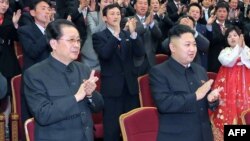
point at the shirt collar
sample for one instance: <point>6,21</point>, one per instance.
<point>60,66</point>
<point>42,29</point>
<point>223,24</point>
<point>140,17</point>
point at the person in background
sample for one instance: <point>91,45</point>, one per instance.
<point>9,66</point>
<point>60,92</point>
<point>116,49</point>
<point>180,89</point>
<point>95,24</point>
<point>235,69</point>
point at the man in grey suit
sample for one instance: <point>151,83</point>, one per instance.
<point>151,34</point>
<point>60,92</point>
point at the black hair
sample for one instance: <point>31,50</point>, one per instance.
<point>36,2</point>
<point>108,7</point>
<point>54,28</point>
<point>178,30</point>
<point>230,29</point>
<point>221,5</point>
<point>195,5</point>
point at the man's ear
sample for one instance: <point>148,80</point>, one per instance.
<point>171,47</point>
<point>53,44</point>
<point>104,19</point>
<point>32,13</point>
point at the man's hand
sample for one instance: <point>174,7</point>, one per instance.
<point>214,94</point>
<point>202,90</point>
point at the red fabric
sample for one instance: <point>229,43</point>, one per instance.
<point>142,125</point>
<point>212,75</point>
<point>1,20</point>
<point>145,92</point>
<point>31,130</point>
<point>160,58</point>
<point>20,60</point>
<point>233,99</point>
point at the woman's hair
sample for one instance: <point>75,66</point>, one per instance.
<point>230,29</point>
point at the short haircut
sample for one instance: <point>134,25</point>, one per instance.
<point>36,2</point>
<point>108,7</point>
<point>178,30</point>
<point>54,28</point>
<point>230,29</point>
<point>186,16</point>
<point>135,1</point>
<point>221,5</point>
<point>195,5</point>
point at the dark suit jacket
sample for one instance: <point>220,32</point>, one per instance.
<point>181,116</point>
<point>34,44</point>
<point>66,7</point>
<point>116,63</point>
<point>217,43</point>
<point>49,88</point>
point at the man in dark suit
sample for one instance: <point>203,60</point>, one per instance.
<point>32,38</point>
<point>66,7</point>
<point>179,88</point>
<point>33,42</point>
<point>61,92</point>
<point>115,49</point>
<point>176,9</point>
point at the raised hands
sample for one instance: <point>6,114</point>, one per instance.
<point>241,41</point>
<point>214,94</point>
<point>150,18</point>
<point>87,87</point>
<point>16,17</point>
<point>203,90</point>
<point>131,23</point>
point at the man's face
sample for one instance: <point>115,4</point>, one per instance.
<point>183,48</point>
<point>233,4</point>
<point>67,48</point>
<point>155,5</point>
<point>194,12</point>
<point>113,17</point>
<point>221,14</point>
<point>207,3</point>
<point>4,5</point>
<point>41,13</point>
<point>141,7</point>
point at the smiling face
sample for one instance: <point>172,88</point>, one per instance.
<point>113,17</point>
<point>41,13</point>
<point>183,48</point>
<point>141,7</point>
<point>233,38</point>
<point>155,5</point>
<point>4,5</point>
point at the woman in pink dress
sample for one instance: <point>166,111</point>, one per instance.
<point>234,78</point>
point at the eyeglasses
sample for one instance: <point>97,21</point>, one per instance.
<point>72,41</point>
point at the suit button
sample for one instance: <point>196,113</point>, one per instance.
<point>82,113</point>
<point>201,109</point>
<point>191,83</point>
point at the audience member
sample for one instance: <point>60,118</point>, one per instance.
<point>64,8</point>
<point>180,91</point>
<point>95,24</point>
<point>116,49</point>
<point>234,78</point>
<point>148,29</point>
<point>217,42</point>
<point>9,66</point>
<point>33,42</point>
<point>176,9</point>
<point>60,91</point>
